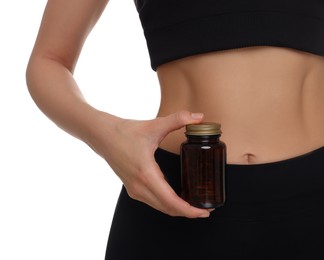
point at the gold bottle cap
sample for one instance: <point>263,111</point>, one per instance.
<point>203,129</point>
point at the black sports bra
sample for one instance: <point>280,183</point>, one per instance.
<point>178,28</point>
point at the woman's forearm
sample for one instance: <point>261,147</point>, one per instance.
<point>56,93</point>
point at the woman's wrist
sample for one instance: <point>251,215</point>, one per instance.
<point>100,128</point>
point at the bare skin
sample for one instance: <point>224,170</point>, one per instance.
<point>269,101</point>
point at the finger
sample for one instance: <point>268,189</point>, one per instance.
<point>164,198</point>
<point>171,204</point>
<point>180,119</point>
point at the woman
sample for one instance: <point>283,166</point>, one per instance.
<point>268,96</point>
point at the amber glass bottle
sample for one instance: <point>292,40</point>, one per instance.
<point>203,158</point>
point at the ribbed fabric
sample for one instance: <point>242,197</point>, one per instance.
<point>178,28</point>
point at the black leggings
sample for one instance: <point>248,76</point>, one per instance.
<point>272,211</point>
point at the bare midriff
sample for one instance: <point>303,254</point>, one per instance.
<point>269,100</point>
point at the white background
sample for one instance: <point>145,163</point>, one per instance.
<point>57,196</point>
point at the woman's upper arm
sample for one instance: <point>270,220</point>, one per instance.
<point>64,28</point>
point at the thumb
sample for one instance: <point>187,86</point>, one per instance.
<point>181,118</point>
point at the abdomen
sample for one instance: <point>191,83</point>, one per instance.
<point>270,101</point>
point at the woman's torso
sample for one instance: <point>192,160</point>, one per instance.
<point>269,100</point>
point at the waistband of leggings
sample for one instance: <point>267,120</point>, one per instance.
<point>259,189</point>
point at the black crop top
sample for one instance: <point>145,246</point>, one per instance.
<point>178,28</point>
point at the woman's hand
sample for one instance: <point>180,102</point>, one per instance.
<point>129,150</point>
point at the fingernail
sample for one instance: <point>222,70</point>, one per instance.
<point>210,210</point>
<point>197,115</point>
<point>204,215</point>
